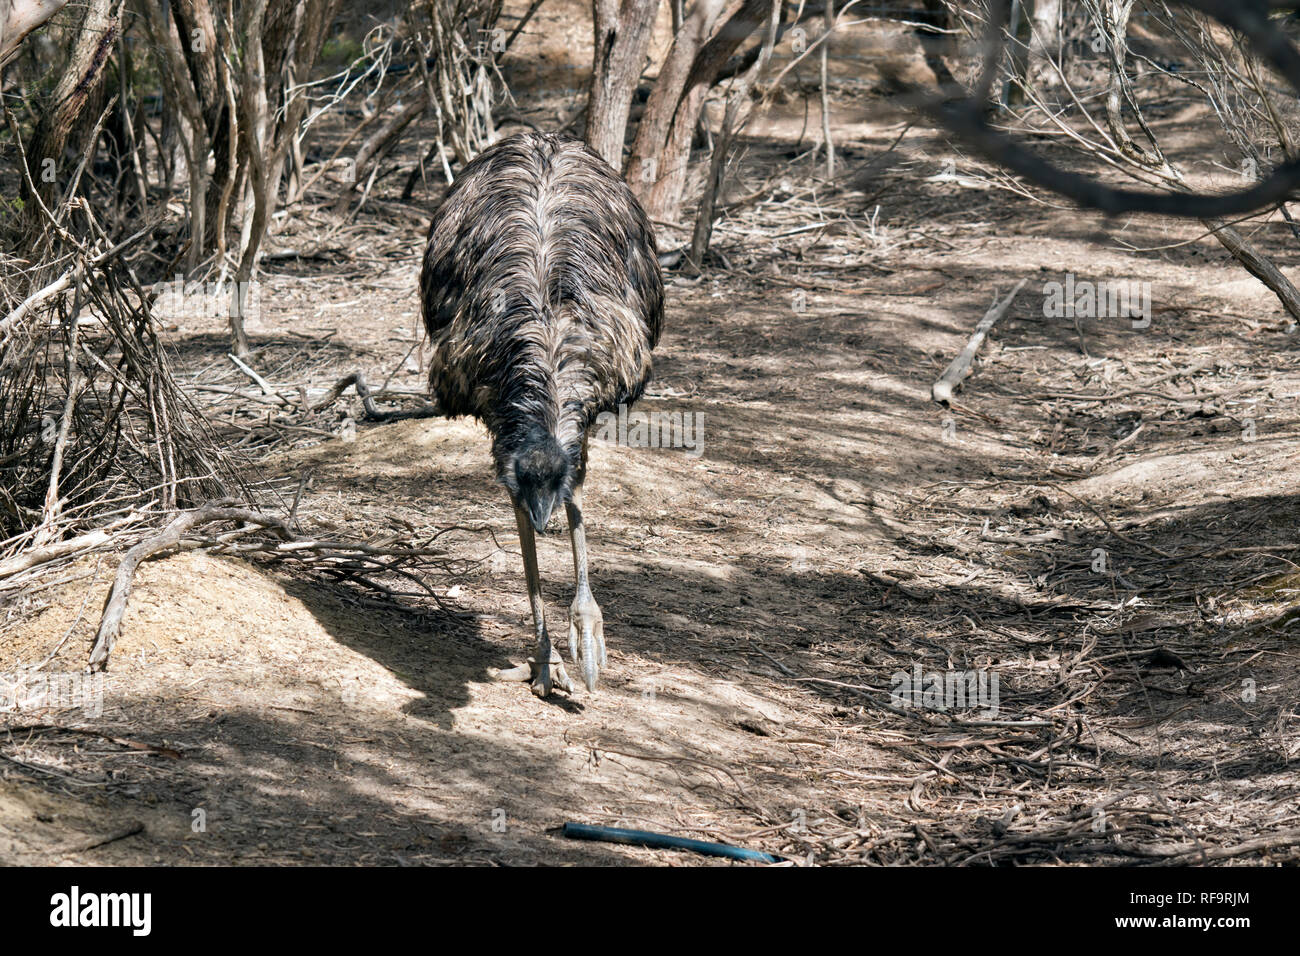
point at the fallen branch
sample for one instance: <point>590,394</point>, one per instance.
<point>35,299</point>
<point>942,390</point>
<point>261,383</point>
<point>1146,389</point>
<point>62,549</point>
<point>169,752</point>
<point>110,624</point>
<point>1258,265</point>
<point>1273,841</point>
<point>665,841</point>
<point>343,560</point>
<point>357,381</point>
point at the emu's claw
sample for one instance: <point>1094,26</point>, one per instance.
<point>545,677</point>
<point>587,639</point>
<point>540,679</point>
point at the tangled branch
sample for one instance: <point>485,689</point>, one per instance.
<point>968,118</point>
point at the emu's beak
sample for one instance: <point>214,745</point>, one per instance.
<point>539,507</point>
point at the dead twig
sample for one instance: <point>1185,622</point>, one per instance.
<point>357,381</point>
<point>110,625</point>
<point>942,390</point>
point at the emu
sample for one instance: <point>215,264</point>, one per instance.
<point>543,300</point>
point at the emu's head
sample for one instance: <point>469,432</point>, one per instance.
<point>538,473</point>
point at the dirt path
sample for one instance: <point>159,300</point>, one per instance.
<point>759,599</point>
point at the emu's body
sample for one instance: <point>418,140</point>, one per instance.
<point>543,300</point>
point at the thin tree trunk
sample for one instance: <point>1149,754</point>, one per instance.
<point>254,122</point>
<point>622,36</point>
<point>79,83</point>
<point>645,166</point>
<point>663,199</point>
<point>177,82</point>
<point>829,20</point>
<point>1046,40</point>
<point>731,122</point>
<point>200,45</point>
<point>294,31</point>
<point>1258,265</point>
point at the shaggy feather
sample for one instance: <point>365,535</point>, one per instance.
<point>543,299</point>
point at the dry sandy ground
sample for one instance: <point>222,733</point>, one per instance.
<point>837,529</point>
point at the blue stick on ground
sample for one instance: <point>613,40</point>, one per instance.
<point>662,841</point>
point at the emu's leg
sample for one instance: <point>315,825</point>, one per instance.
<point>545,667</point>
<point>586,626</point>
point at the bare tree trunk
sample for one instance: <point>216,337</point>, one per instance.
<point>303,37</point>
<point>293,32</point>
<point>1019,29</point>
<point>254,122</point>
<point>80,82</point>
<point>673,115</point>
<point>829,21</point>
<point>622,36</point>
<point>201,45</point>
<point>1046,41</point>
<point>645,166</point>
<point>731,122</point>
<point>20,17</point>
<point>175,82</point>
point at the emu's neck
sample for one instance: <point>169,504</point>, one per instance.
<point>542,391</point>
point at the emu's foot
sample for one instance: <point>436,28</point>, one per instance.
<point>541,679</point>
<point>587,639</point>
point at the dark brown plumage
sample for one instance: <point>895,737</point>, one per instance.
<point>543,300</point>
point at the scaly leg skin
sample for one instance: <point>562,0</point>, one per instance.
<point>541,676</point>
<point>586,626</point>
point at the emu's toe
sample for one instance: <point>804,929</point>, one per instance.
<point>587,639</point>
<point>542,680</point>
<point>519,672</point>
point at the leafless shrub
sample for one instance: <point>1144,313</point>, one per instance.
<point>92,424</point>
<point>1115,60</point>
